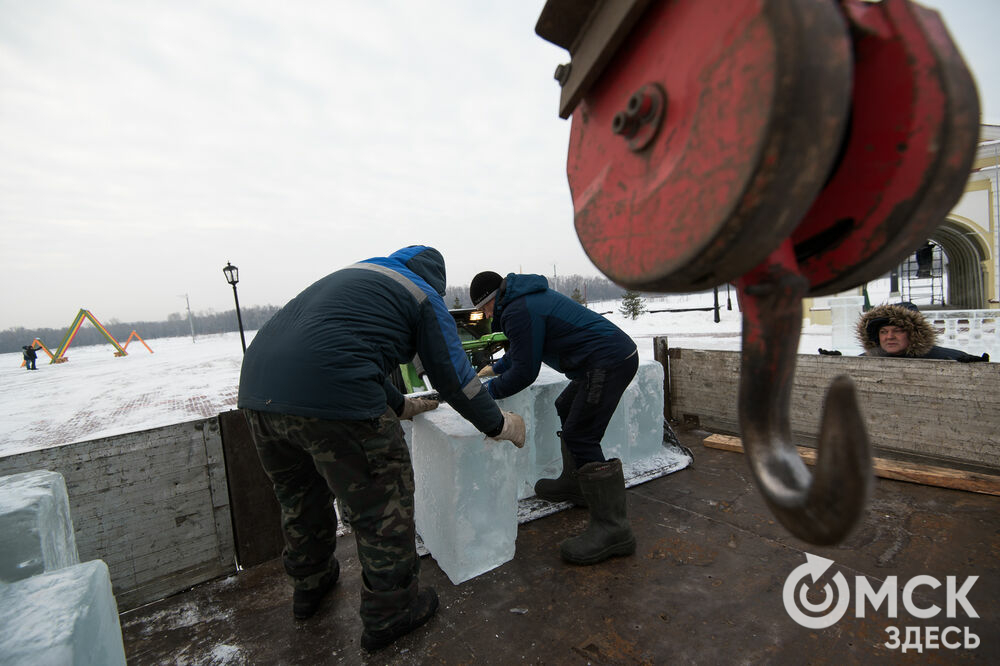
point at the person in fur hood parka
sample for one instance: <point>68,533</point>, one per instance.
<point>901,331</point>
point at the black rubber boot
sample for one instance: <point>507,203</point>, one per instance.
<point>421,610</point>
<point>609,533</point>
<point>305,603</point>
<point>567,487</point>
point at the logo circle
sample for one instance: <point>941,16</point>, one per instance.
<point>814,568</point>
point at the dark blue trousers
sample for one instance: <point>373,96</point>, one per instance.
<point>585,408</point>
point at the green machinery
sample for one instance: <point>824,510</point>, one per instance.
<point>479,343</point>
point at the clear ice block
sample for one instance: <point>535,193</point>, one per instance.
<point>642,407</point>
<point>68,616</point>
<point>468,487</point>
<point>547,455</point>
<point>36,531</point>
<point>466,494</point>
<point>523,405</point>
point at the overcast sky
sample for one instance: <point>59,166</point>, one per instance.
<point>143,144</point>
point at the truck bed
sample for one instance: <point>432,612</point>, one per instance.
<point>704,586</point>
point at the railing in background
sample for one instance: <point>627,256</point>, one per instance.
<point>973,331</point>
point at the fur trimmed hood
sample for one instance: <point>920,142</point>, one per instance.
<point>921,333</point>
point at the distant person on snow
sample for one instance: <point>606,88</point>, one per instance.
<point>600,360</point>
<point>901,331</point>
<point>325,419</point>
<point>29,355</point>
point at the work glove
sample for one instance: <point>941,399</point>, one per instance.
<point>513,429</point>
<point>487,371</point>
<point>828,352</point>
<point>414,406</point>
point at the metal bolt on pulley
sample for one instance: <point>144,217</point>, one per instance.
<point>642,117</point>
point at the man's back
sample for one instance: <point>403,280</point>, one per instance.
<point>546,326</point>
<point>328,352</point>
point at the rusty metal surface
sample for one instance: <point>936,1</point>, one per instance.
<point>591,30</point>
<point>712,149</point>
<point>757,97</point>
<point>704,586</point>
<point>819,508</point>
<point>906,158</point>
<point>914,128</point>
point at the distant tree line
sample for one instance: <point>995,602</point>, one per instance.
<point>579,288</point>
<point>176,324</point>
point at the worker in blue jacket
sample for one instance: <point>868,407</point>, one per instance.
<point>544,326</point>
<point>325,420</point>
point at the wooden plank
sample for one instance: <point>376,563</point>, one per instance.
<point>898,470</point>
<point>218,486</point>
<point>165,585</point>
<point>938,409</point>
<point>256,514</point>
<point>660,353</point>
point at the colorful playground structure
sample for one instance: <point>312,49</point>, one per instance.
<point>74,328</point>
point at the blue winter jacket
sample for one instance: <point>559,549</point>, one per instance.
<point>545,326</point>
<point>329,352</point>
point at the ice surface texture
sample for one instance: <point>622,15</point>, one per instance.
<point>36,531</point>
<point>67,616</point>
<point>468,487</point>
<point>466,498</point>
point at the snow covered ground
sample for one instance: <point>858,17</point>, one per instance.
<point>96,394</point>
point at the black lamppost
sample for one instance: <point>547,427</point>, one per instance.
<point>232,277</point>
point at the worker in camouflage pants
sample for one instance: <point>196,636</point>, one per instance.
<point>325,419</point>
<point>367,465</point>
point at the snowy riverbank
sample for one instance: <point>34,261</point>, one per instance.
<point>97,395</point>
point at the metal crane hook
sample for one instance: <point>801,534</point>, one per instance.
<point>694,158</point>
<point>822,508</point>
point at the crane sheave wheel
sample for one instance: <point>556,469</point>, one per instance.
<point>707,138</point>
<point>913,134</point>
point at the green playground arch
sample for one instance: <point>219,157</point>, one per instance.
<point>74,328</point>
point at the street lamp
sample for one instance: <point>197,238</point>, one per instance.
<point>232,277</point>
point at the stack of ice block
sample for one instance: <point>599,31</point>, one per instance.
<point>53,610</point>
<point>467,488</point>
<point>67,616</point>
<point>36,529</point>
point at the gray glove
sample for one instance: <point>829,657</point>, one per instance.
<point>414,406</point>
<point>487,371</point>
<point>513,430</point>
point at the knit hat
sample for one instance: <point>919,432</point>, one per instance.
<point>484,288</point>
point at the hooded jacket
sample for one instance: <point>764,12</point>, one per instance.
<point>922,336</point>
<point>329,352</point>
<point>545,326</point>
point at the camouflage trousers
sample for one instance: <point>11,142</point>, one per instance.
<point>367,466</point>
